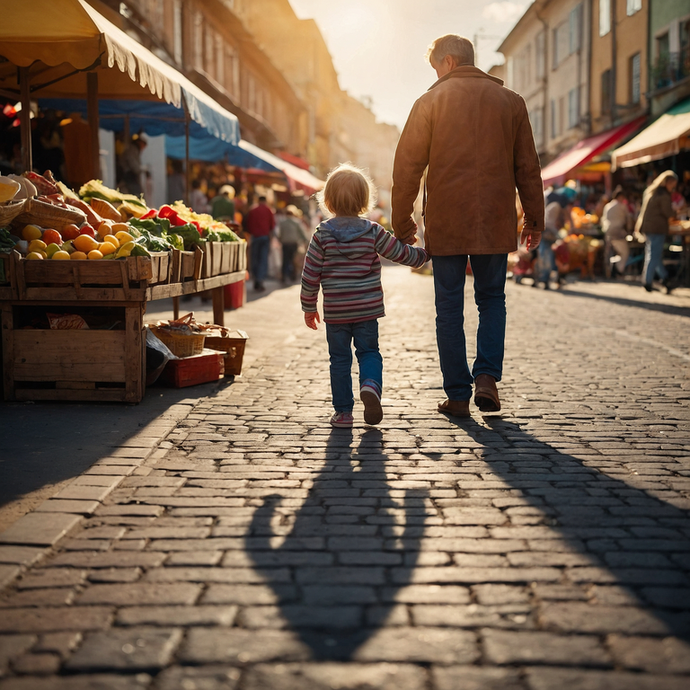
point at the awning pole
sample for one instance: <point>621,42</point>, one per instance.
<point>25,117</point>
<point>92,116</point>
<point>187,171</point>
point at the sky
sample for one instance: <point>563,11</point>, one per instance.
<point>378,46</point>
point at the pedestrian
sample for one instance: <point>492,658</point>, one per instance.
<point>259,224</point>
<point>343,260</point>
<point>292,235</point>
<point>652,222</point>
<point>223,205</point>
<point>616,222</point>
<point>130,163</point>
<point>555,215</point>
<point>475,138</point>
<point>197,199</point>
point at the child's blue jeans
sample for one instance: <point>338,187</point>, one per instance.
<point>366,337</point>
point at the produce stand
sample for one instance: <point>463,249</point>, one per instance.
<point>96,364</point>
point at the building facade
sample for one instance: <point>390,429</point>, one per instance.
<point>669,53</point>
<point>618,75</point>
<point>547,62</point>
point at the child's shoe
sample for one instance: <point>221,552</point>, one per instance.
<point>370,396</point>
<point>342,420</point>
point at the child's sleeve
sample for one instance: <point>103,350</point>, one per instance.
<point>390,247</point>
<point>311,274</point>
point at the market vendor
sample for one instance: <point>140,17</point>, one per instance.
<point>223,205</point>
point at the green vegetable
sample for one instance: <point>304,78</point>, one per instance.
<point>7,240</point>
<point>156,226</point>
<point>190,235</point>
<point>221,236</point>
<point>176,241</point>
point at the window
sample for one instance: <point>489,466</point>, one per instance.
<point>635,78</point>
<point>554,52</point>
<point>606,92</point>
<point>535,118</point>
<point>663,45</point>
<point>574,20</point>
<point>604,17</point>
<point>198,42</point>
<point>177,31</point>
<point>633,6</point>
<point>561,43</point>
<point>573,108</point>
<point>540,53</point>
<point>554,120</point>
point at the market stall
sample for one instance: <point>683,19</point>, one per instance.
<point>74,285</point>
<point>76,274</point>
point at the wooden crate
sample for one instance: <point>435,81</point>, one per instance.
<point>233,348</point>
<point>241,264</point>
<point>161,268</point>
<point>86,365</point>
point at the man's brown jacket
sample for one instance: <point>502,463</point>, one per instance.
<point>475,137</point>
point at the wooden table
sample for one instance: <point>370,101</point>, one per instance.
<point>85,365</point>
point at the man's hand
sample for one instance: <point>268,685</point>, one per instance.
<point>408,235</point>
<point>311,318</point>
<point>530,238</point>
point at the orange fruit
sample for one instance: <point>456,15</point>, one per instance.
<point>84,243</point>
<point>105,228</point>
<point>106,248</point>
<point>60,256</point>
<point>94,255</point>
<point>78,256</point>
<point>34,256</point>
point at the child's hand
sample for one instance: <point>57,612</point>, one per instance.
<point>311,318</point>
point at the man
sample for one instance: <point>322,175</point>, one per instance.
<point>475,138</point>
<point>617,225</point>
<point>292,235</point>
<point>259,223</point>
<point>555,215</point>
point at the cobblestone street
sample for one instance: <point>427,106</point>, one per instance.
<point>255,548</point>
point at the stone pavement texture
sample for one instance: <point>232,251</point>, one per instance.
<point>541,548</point>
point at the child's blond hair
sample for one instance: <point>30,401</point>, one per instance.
<point>348,191</point>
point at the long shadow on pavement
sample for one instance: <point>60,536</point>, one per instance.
<point>337,556</point>
<point>634,540</point>
<point>625,302</point>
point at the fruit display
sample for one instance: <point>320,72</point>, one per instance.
<point>108,225</point>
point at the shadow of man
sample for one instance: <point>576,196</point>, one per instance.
<point>344,568</point>
<point>636,546</point>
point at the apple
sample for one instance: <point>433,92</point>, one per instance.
<point>86,229</point>
<point>69,232</point>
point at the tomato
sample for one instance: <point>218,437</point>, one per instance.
<point>51,236</point>
<point>86,229</point>
<point>69,232</point>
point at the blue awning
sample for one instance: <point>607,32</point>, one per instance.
<point>212,151</point>
<point>208,119</point>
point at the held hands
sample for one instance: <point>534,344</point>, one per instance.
<point>311,318</point>
<point>409,234</point>
<point>530,238</point>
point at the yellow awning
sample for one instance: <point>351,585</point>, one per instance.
<point>665,137</point>
<point>55,38</point>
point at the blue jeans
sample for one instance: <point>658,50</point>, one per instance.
<point>259,257</point>
<point>489,295</point>
<point>340,337</point>
<point>653,252</point>
<point>547,261</point>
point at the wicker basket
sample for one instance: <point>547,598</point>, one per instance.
<point>48,215</point>
<point>10,210</point>
<point>180,345</point>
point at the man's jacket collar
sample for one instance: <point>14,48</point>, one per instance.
<point>466,71</point>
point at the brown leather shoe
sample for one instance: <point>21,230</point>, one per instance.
<point>455,408</point>
<point>486,394</point>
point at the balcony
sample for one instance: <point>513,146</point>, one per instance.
<point>670,68</point>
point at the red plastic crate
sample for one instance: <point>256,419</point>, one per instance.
<point>190,371</point>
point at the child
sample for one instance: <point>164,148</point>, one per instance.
<point>343,258</point>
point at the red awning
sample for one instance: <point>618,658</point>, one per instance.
<point>556,172</point>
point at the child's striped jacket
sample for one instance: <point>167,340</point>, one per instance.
<point>343,258</point>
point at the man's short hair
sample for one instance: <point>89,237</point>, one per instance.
<point>458,47</point>
<point>262,199</point>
